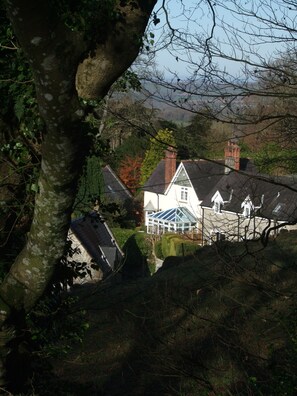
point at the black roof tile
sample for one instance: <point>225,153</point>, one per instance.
<point>156,182</point>
<point>94,235</point>
<point>113,188</point>
<point>265,192</point>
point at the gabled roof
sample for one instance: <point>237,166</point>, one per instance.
<point>113,188</point>
<point>156,182</point>
<point>98,240</point>
<point>203,175</point>
<point>175,215</point>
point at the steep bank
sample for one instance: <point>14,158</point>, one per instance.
<point>222,323</point>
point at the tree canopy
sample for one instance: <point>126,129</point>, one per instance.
<point>156,151</point>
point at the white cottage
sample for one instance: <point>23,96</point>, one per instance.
<point>94,245</point>
<point>245,206</point>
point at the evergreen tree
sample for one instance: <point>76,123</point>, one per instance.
<point>274,159</point>
<point>90,186</point>
<point>193,140</point>
<point>158,144</point>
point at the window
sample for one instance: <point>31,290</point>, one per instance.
<point>247,211</point>
<point>248,207</point>
<point>217,236</point>
<point>278,209</point>
<point>182,179</point>
<point>184,194</point>
<point>217,207</point>
<point>220,236</point>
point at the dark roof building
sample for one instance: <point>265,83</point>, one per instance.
<point>113,188</point>
<point>97,239</point>
<point>274,198</point>
<point>218,194</point>
<point>203,174</point>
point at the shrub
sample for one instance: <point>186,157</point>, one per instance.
<point>55,324</point>
<point>166,244</point>
<point>158,250</point>
<point>185,248</point>
<point>174,245</point>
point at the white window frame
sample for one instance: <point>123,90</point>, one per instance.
<point>217,203</point>
<point>217,207</point>
<point>247,207</point>
<point>184,194</point>
<point>247,211</point>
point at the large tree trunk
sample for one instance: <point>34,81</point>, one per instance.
<point>55,54</point>
<point>54,75</point>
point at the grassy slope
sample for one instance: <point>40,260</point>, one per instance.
<point>221,324</point>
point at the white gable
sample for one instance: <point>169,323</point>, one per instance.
<point>217,198</point>
<point>181,178</point>
<point>247,203</point>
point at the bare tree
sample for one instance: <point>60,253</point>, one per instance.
<point>238,61</point>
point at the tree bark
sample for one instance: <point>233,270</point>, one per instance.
<point>60,58</point>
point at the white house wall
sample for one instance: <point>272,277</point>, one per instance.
<point>234,227</point>
<point>82,256</point>
<point>172,200</point>
<point>153,198</point>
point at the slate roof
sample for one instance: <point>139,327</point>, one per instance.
<point>156,182</point>
<point>276,196</point>
<point>284,205</point>
<point>98,240</point>
<point>113,188</point>
<point>204,175</point>
<point>199,172</point>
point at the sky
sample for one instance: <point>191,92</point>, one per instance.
<point>257,45</point>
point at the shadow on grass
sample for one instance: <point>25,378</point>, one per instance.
<point>224,324</point>
<point>135,264</point>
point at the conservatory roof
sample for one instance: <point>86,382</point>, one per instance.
<point>175,215</point>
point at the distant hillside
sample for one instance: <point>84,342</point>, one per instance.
<point>180,105</point>
<point>221,323</point>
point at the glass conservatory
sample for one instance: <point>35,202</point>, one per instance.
<point>177,220</point>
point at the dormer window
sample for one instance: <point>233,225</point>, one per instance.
<point>184,193</point>
<point>217,202</point>
<point>247,211</point>
<point>247,207</point>
<point>217,207</point>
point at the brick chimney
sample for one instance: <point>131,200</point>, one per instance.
<point>170,165</point>
<point>232,156</point>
